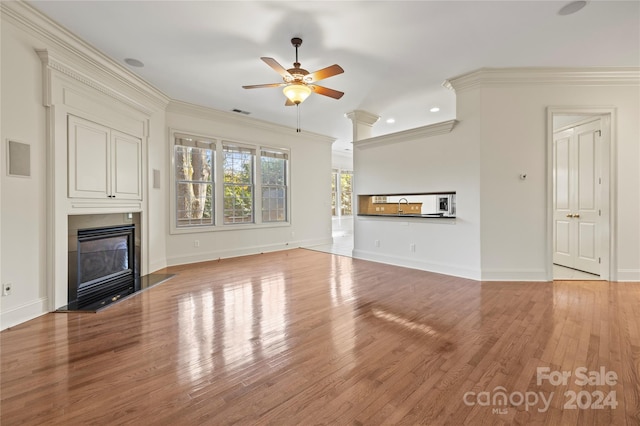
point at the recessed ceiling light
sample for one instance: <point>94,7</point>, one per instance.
<point>434,109</point>
<point>391,120</point>
<point>572,7</point>
<point>134,62</point>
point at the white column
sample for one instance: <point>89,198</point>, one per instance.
<point>363,121</point>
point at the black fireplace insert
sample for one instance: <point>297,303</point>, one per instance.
<point>104,267</point>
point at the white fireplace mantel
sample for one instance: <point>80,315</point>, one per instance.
<point>80,85</point>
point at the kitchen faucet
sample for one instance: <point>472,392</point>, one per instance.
<point>405,201</point>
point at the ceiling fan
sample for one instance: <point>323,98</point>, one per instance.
<point>299,83</point>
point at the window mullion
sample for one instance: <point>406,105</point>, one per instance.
<point>257,183</point>
<point>220,183</point>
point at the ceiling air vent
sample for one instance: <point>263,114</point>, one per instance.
<point>239,111</point>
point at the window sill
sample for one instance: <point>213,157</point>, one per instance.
<point>225,228</point>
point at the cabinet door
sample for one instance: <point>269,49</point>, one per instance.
<point>89,151</point>
<point>126,158</point>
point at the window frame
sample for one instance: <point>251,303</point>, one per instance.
<point>198,143</point>
<point>252,181</point>
<point>337,206</point>
<point>218,186</point>
<point>274,153</point>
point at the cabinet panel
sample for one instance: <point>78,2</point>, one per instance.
<point>89,174</point>
<point>103,163</point>
<point>127,159</point>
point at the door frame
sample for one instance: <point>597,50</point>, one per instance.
<point>609,185</point>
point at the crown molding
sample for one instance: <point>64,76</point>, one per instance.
<point>407,135</point>
<point>79,60</point>
<point>51,61</point>
<point>207,113</point>
<point>506,77</point>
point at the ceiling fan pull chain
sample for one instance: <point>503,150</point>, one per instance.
<point>298,114</point>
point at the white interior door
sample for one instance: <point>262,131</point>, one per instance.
<point>576,197</point>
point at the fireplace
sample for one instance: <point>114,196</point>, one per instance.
<point>103,267</point>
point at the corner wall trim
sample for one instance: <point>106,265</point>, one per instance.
<point>24,313</point>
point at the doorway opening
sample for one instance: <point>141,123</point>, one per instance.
<point>342,202</point>
<point>579,193</point>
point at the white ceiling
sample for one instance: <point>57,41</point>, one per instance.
<point>395,54</point>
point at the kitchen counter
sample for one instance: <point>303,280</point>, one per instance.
<point>400,215</point>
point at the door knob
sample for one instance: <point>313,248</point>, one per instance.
<point>569,215</point>
<point>576,215</point>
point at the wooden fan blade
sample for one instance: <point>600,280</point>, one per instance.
<point>259,86</point>
<point>277,67</point>
<point>324,73</point>
<point>289,103</point>
<point>326,91</point>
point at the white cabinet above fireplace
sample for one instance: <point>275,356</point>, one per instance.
<point>103,162</point>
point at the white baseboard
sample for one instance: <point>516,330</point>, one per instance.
<point>453,270</point>
<point>514,275</point>
<point>157,265</point>
<point>24,313</point>
<point>242,251</point>
<point>628,275</point>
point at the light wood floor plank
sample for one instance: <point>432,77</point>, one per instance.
<point>302,337</point>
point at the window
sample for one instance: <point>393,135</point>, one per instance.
<point>346,193</point>
<point>194,190</point>
<point>238,167</point>
<point>221,185</point>
<point>273,167</point>
<point>341,193</point>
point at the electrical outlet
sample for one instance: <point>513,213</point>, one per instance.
<point>412,248</point>
<point>376,243</point>
<point>196,243</point>
<point>6,289</point>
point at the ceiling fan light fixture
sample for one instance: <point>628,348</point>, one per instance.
<point>297,92</point>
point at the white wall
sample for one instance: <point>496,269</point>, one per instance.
<point>158,198</point>
<point>310,165</point>
<point>420,161</point>
<point>23,221</point>
<point>342,160</point>
<point>514,140</point>
<point>501,232</point>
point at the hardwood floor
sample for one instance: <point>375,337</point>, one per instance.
<point>303,337</point>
